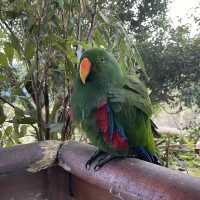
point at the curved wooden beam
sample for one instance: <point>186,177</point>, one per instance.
<point>125,179</point>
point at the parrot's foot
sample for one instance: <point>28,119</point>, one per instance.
<point>101,162</point>
<point>93,158</point>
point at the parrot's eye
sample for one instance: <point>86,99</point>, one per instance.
<point>102,60</point>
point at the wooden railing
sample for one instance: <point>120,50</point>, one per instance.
<point>43,170</point>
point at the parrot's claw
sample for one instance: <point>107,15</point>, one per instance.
<point>104,160</point>
<point>87,165</point>
<point>96,167</point>
<point>93,158</point>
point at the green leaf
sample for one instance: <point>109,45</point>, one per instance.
<point>60,3</point>
<point>19,112</point>
<point>2,77</point>
<point>71,55</point>
<point>16,128</point>
<point>56,127</point>
<point>29,49</point>
<point>20,117</point>
<point>70,68</point>
<point>9,51</point>
<point>15,43</point>
<point>26,120</point>
<point>2,115</point>
<point>3,60</point>
<point>8,131</point>
<point>16,90</point>
<point>56,106</point>
<point>104,17</point>
<point>99,38</point>
<point>23,130</point>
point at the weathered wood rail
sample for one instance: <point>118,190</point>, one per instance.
<point>55,164</point>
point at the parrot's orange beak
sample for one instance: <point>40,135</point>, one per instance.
<point>85,67</point>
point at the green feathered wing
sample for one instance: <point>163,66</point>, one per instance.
<point>132,107</point>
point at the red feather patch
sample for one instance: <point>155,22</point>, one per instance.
<point>111,136</point>
<point>119,142</point>
<point>102,120</point>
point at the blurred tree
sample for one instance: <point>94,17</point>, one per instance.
<point>172,62</point>
<point>138,15</point>
<point>38,43</point>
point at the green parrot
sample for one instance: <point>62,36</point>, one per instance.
<point>113,109</point>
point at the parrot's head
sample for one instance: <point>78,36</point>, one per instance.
<point>98,73</point>
<point>98,67</point>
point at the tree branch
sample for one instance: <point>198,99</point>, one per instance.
<point>92,22</point>
<point>5,101</point>
<point>46,102</point>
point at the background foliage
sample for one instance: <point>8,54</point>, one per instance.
<point>40,41</point>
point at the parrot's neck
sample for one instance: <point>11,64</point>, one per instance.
<point>88,97</point>
<point>93,98</point>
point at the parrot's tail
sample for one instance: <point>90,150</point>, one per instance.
<point>145,155</point>
<point>154,129</point>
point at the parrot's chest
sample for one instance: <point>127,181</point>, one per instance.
<point>111,132</point>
